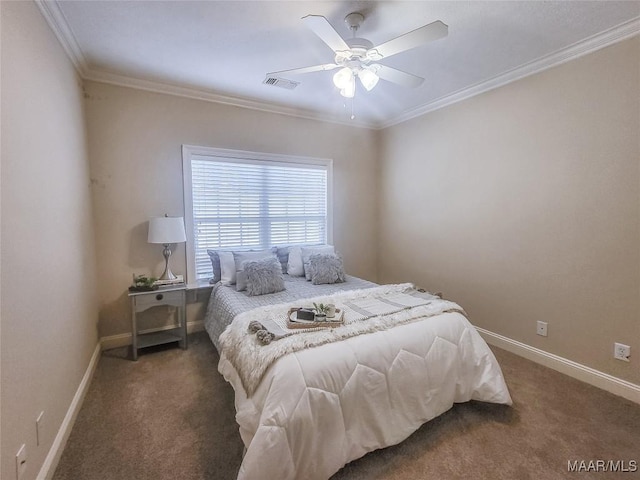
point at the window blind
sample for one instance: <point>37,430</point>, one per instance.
<point>244,204</point>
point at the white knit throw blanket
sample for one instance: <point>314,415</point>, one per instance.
<point>250,358</point>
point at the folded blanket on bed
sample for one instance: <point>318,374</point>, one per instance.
<point>366,311</point>
<point>275,328</point>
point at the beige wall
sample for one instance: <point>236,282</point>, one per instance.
<point>523,204</point>
<point>135,140</point>
<point>48,303</point>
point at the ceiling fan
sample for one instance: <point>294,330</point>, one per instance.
<point>357,57</point>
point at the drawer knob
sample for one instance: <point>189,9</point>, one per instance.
<point>159,296</point>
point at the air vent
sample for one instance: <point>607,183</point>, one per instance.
<point>281,82</point>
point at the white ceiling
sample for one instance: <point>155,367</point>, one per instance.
<point>221,50</point>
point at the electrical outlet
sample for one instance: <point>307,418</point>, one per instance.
<point>621,352</point>
<point>21,462</point>
<point>542,329</point>
<point>39,428</point>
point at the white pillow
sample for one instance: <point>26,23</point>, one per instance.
<point>241,257</point>
<point>227,268</point>
<point>295,267</point>
<point>308,251</point>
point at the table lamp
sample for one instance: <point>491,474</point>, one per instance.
<point>166,230</point>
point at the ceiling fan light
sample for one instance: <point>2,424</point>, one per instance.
<point>343,78</point>
<point>350,89</point>
<point>347,93</point>
<point>368,79</point>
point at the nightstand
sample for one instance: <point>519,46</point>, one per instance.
<point>174,296</point>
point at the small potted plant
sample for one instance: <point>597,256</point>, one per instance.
<point>321,311</point>
<point>142,283</point>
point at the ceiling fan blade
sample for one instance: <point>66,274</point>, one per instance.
<point>314,68</point>
<point>323,29</point>
<point>415,38</point>
<point>398,76</point>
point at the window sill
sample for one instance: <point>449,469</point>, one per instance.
<point>199,291</point>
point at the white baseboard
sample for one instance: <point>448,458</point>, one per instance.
<point>589,375</point>
<point>53,457</point>
<point>124,339</point>
<point>55,452</point>
<point>607,382</point>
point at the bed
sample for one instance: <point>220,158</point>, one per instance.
<point>310,402</point>
<point>226,303</point>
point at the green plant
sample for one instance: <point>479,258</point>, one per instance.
<point>321,308</point>
<point>142,282</point>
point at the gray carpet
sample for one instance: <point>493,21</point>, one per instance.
<point>171,416</point>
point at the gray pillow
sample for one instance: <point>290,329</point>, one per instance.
<point>264,276</point>
<point>326,268</point>
<point>306,253</point>
<point>215,263</point>
<point>283,256</point>
<point>241,257</point>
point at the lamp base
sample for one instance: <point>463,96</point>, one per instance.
<point>167,274</point>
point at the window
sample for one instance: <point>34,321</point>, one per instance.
<point>238,200</point>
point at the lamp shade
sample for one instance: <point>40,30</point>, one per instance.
<point>166,230</point>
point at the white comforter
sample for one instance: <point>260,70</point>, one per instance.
<point>319,408</point>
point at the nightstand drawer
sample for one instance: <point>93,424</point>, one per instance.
<point>151,299</point>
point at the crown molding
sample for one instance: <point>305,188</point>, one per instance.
<point>54,16</point>
<point>58,22</point>
<point>591,44</point>
<point>208,96</point>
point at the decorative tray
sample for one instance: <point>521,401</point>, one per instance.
<point>294,322</point>
<point>143,288</point>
